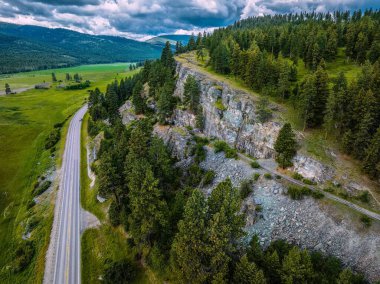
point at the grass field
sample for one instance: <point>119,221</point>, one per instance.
<point>26,119</point>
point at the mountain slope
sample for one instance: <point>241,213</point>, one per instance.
<point>161,40</point>
<point>25,48</point>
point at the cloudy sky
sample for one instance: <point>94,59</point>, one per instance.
<point>143,18</point>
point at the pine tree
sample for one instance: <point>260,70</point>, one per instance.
<point>148,209</point>
<point>235,57</point>
<point>7,89</point>
<point>167,56</point>
<point>188,253</point>
<point>53,78</point>
<point>137,99</point>
<point>191,45</point>
<point>322,89</point>
<point>247,273</point>
<point>297,267</point>
<point>285,146</point>
<point>165,102</point>
<point>191,93</point>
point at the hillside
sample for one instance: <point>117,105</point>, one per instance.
<point>26,48</point>
<point>161,40</point>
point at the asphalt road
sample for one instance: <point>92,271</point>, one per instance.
<point>67,251</point>
<point>362,210</point>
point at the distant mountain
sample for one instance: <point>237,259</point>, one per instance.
<point>161,40</point>
<point>26,48</point>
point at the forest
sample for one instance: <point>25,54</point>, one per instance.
<point>265,54</point>
<point>173,228</point>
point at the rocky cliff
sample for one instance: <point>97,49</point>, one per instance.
<point>231,115</point>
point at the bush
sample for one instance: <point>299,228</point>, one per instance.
<point>363,197</point>
<point>219,105</point>
<point>199,152</point>
<point>317,194</point>
<point>258,208</point>
<point>201,140</point>
<point>221,146</point>
<point>308,181</point>
<point>53,138</point>
<point>156,260</point>
<point>366,220</point>
<point>255,165</point>
<point>120,272</point>
<point>298,193</point>
<point>79,86</point>
<point>42,188</point>
<point>30,204</point>
<point>23,256</point>
<point>330,190</point>
<point>268,176</point>
<point>256,176</point>
<point>195,175</point>
<point>297,176</point>
<point>245,188</point>
<point>208,177</point>
<point>114,214</point>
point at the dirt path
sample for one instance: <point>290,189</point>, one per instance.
<point>17,91</point>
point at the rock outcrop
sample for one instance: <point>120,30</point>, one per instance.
<point>229,115</point>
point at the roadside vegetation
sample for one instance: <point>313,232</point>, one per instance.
<point>33,127</point>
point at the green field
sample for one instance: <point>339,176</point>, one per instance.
<point>26,119</point>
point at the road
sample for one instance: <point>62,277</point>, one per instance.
<point>362,210</point>
<point>67,249</point>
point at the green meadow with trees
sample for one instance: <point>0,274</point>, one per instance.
<point>33,126</point>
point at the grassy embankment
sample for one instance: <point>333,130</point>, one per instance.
<point>314,142</point>
<point>26,119</point>
<point>101,246</point>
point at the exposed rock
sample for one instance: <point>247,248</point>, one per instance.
<point>312,169</point>
<point>184,118</point>
<point>178,139</point>
<point>127,113</point>
<point>236,123</point>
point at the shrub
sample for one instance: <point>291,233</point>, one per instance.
<point>195,175</point>
<point>298,193</point>
<point>120,272</point>
<point>31,223</point>
<point>268,176</point>
<point>201,140</point>
<point>30,204</point>
<point>317,194</point>
<point>113,214</point>
<point>309,182</point>
<point>156,260</point>
<point>297,176</point>
<point>330,190</point>
<point>256,176</point>
<point>42,188</point>
<point>219,105</point>
<point>278,177</point>
<point>79,86</point>
<point>245,188</point>
<point>255,165</point>
<point>366,220</point>
<point>221,146</point>
<point>363,197</point>
<point>258,208</point>
<point>23,255</point>
<point>53,138</point>
<point>208,177</point>
<point>199,152</point>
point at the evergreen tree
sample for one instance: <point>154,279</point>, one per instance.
<point>167,56</point>
<point>7,89</point>
<point>53,78</point>
<point>285,146</point>
<point>148,209</point>
<point>137,99</point>
<point>188,253</point>
<point>191,45</point>
<point>263,111</point>
<point>191,93</point>
<point>165,102</point>
<point>297,267</point>
<point>372,158</point>
<point>247,273</point>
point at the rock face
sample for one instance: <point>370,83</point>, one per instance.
<point>229,115</point>
<point>312,169</point>
<point>127,113</point>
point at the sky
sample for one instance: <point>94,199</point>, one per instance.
<point>141,19</point>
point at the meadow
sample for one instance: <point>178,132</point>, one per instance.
<point>26,119</point>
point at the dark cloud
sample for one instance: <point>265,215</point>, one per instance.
<point>134,17</point>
